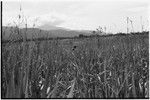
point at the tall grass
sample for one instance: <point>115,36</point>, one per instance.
<point>100,67</point>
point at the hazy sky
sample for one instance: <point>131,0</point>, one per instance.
<point>79,14</point>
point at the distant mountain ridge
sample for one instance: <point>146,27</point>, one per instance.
<point>51,32</point>
<point>48,27</point>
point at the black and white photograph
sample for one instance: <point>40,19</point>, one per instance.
<point>75,49</point>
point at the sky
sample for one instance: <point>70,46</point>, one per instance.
<point>79,14</point>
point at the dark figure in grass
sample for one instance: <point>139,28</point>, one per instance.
<point>74,47</point>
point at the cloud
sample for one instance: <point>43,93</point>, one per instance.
<point>138,9</point>
<point>53,18</point>
<point>54,21</point>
